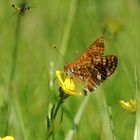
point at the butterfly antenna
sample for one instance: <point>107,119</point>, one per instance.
<point>54,46</point>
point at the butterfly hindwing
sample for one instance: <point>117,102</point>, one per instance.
<point>107,65</point>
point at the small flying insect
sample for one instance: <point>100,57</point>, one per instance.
<point>21,9</point>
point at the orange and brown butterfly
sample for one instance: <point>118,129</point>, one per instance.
<point>92,67</point>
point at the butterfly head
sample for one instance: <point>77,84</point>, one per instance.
<point>68,70</point>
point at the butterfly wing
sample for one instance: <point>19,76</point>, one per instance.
<point>88,76</point>
<point>107,65</point>
<point>96,48</point>
<point>91,75</point>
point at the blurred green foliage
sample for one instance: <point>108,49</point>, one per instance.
<point>71,25</point>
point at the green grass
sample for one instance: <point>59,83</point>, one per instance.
<point>26,70</point>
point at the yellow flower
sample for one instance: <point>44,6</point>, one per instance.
<point>129,105</point>
<point>111,26</point>
<point>7,138</point>
<point>67,84</point>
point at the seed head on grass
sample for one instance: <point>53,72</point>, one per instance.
<point>21,9</point>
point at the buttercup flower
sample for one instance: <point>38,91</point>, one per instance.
<point>129,105</point>
<point>7,138</point>
<point>67,84</point>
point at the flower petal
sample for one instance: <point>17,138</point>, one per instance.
<point>129,105</point>
<point>67,85</point>
<point>7,138</point>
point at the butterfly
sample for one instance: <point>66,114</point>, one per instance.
<point>92,67</point>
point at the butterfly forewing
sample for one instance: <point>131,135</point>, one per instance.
<point>92,68</point>
<point>96,48</point>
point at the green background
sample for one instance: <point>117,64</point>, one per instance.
<point>28,63</point>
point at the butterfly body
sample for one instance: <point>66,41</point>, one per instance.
<point>92,68</point>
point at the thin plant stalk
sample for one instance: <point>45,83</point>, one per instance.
<point>104,115</point>
<point>51,119</point>
<point>57,107</point>
<point>11,91</point>
<point>77,118</point>
<point>137,125</point>
<point>15,51</point>
<point>67,27</point>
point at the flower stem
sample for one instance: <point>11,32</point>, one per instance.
<point>51,119</point>
<point>57,107</point>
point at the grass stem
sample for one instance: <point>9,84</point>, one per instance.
<point>11,86</point>
<point>137,125</point>
<point>105,118</point>
<point>77,118</point>
<point>67,28</point>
